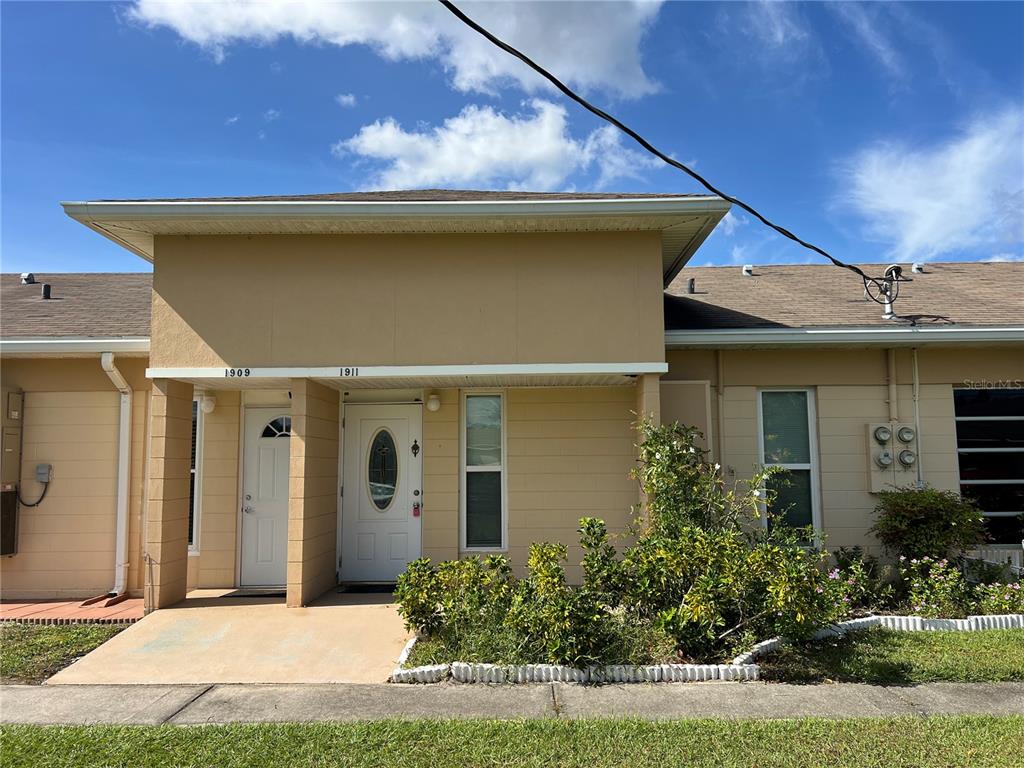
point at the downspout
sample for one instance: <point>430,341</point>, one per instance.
<point>917,419</point>
<point>894,410</point>
<point>720,401</point>
<point>123,473</point>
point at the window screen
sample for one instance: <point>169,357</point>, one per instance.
<point>484,466</point>
<point>786,441</point>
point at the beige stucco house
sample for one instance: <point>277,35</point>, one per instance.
<point>319,389</point>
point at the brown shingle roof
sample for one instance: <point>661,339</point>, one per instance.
<point>823,296</point>
<point>416,196</point>
<point>83,305</point>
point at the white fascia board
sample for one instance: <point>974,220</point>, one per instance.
<point>900,336</point>
<point>89,211</point>
<point>408,371</point>
<point>71,347</point>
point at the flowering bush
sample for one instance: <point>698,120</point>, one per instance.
<point>935,588</point>
<point>1000,598</point>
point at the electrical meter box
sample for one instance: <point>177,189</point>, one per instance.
<point>892,456</point>
<point>10,468</point>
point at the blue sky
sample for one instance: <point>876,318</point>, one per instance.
<point>879,131</point>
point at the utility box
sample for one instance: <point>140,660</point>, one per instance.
<point>892,456</point>
<point>10,468</point>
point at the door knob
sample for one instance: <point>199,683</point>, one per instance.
<point>248,510</point>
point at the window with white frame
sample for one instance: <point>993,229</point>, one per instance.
<point>990,453</point>
<point>195,492</point>
<point>788,440</point>
<point>483,471</point>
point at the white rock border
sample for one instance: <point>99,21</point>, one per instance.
<point>743,667</point>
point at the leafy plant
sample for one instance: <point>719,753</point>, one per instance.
<point>870,583</point>
<point>935,588</point>
<point>926,522</point>
<point>999,598</point>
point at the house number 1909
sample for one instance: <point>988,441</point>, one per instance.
<point>233,373</point>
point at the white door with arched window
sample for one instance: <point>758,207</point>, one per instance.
<point>382,491</point>
<point>264,554</point>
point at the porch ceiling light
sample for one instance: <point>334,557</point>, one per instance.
<point>209,403</point>
<point>433,403</point>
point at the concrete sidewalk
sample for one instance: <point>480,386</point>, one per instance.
<point>197,704</point>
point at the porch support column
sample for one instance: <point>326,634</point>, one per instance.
<point>313,492</point>
<point>648,406</point>
<point>166,560</point>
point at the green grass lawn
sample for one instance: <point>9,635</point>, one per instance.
<point>902,658</point>
<point>30,653</point>
<point>893,743</point>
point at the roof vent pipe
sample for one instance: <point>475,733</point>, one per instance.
<point>691,285</point>
<point>46,291</point>
<point>27,278</point>
<point>748,270</point>
<point>917,267</point>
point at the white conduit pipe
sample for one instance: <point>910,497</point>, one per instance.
<point>123,472</point>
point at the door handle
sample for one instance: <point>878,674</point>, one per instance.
<point>248,510</point>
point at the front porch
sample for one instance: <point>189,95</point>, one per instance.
<point>213,638</point>
<point>563,448</point>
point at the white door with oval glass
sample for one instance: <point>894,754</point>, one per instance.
<point>382,482</point>
<point>264,554</point>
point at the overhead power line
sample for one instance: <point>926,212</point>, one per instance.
<point>883,290</point>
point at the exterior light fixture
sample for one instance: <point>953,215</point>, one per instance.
<point>433,403</point>
<point>209,403</point>
<point>883,434</point>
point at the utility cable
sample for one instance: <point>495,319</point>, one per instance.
<point>883,290</point>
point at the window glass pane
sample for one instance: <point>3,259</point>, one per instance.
<point>483,509</point>
<point>192,477</point>
<point>989,402</point>
<point>792,504</point>
<point>483,431</point>
<point>990,434</point>
<point>382,469</point>
<point>996,498</point>
<point>279,427</point>
<point>991,466</point>
<point>786,439</point>
<point>1005,530</point>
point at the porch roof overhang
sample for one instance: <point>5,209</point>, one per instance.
<point>426,376</point>
<point>684,222</point>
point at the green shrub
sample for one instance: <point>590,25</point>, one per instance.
<point>869,581</point>
<point>702,578</point>
<point>999,598</point>
<point>935,588</point>
<point>926,522</point>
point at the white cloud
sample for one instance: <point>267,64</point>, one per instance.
<point>261,135</point>
<point>232,120</point>
<point>963,194</point>
<point>593,46</point>
<point>731,222</point>
<point>771,40</point>
<point>484,147</point>
<point>867,28</point>
<point>778,25</point>
<point>346,99</point>
<point>1006,257</point>
<point>271,115</point>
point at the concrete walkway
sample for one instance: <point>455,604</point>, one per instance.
<point>340,638</point>
<point>196,704</point>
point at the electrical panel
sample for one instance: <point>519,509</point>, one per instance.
<point>892,455</point>
<point>10,468</point>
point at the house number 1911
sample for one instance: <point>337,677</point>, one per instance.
<point>348,371</point>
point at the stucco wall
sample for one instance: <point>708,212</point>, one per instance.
<point>407,299</point>
<point>570,450</point>
<point>70,420</point>
<point>851,391</point>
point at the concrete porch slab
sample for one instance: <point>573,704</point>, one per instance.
<point>347,638</point>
